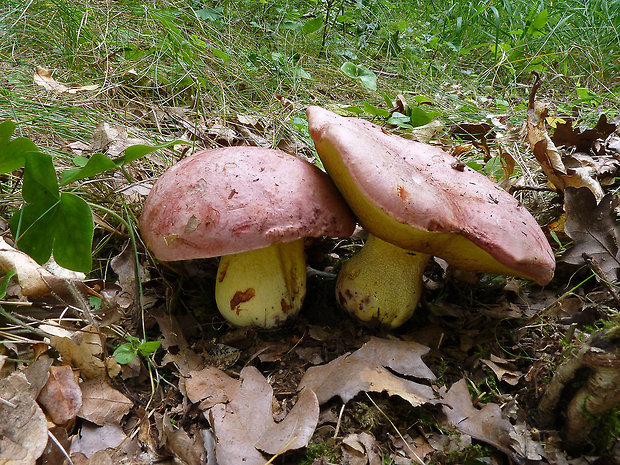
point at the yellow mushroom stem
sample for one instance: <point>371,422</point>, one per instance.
<point>382,283</point>
<point>262,287</point>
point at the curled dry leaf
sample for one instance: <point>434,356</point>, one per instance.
<point>547,153</point>
<point>181,355</point>
<point>191,451</point>
<point>83,355</point>
<point>32,277</point>
<point>486,424</point>
<point>102,404</point>
<point>361,449</point>
<point>365,370</point>
<point>43,77</point>
<point>37,374</point>
<point>503,369</point>
<point>61,397</point>
<point>240,413</point>
<point>595,230</point>
<point>93,439</point>
<point>23,429</point>
<point>569,135</point>
<point>113,139</point>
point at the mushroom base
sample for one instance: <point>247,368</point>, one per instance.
<point>262,287</point>
<point>382,283</point>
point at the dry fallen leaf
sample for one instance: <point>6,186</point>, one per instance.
<point>365,370</point>
<point>595,230</point>
<point>61,397</point>
<point>191,451</point>
<point>240,413</point>
<point>548,155</point>
<point>83,354</point>
<point>93,439</point>
<point>23,427</point>
<point>33,279</point>
<point>181,355</point>
<point>503,369</point>
<point>569,135</point>
<point>486,424</point>
<point>102,404</point>
<point>43,77</point>
<point>113,140</point>
<point>360,449</point>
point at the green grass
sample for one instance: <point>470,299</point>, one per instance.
<point>462,60</point>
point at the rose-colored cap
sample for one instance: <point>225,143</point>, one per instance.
<point>235,199</point>
<point>429,199</point>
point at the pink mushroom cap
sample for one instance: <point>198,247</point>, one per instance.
<point>421,189</point>
<point>235,199</point>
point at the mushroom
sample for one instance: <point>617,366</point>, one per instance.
<point>252,206</point>
<point>415,202</point>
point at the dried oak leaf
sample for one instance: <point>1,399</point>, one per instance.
<point>594,228</point>
<point>176,347</point>
<point>240,413</point>
<point>190,450</point>
<point>93,439</point>
<point>504,369</point>
<point>61,397</point>
<point>570,136</point>
<point>102,404</point>
<point>486,424</point>
<point>547,154</point>
<point>366,370</point>
<point>23,429</point>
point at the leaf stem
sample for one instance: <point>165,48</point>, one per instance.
<point>132,237</point>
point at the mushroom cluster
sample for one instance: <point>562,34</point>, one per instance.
<point>253,207</point>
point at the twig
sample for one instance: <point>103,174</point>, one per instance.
<point>596,268</point>
<point>59,445</point>
<point>19,322</point>
<point>7,403</point>
<point>338,422</point>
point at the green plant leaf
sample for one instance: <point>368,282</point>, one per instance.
<point>419,117</point>
<point>74,233</point>
<point>137,151</point>
<point>222,55</point>
<point>149,347</point>
<point>210,14</point>
<point>375,111</point>
<point>33,228</point>
<point>540,21</point>
<point>96,164</point>
<point>13,152</point>
<point>356,110</point>
<point>40,182</point>
<point>50,221</point>
<point>366,77</point>
<point>125,353</point>
<point>312,25</point>
<point>5,282</point>
<point>99,162</point>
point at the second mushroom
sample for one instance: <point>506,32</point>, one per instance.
<point>415,202</point>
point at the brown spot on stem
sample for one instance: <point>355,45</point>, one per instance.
<point>285,306</point>
<point>240,297</point>
<point>222,274</point>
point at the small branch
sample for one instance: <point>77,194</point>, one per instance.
<point>18,322</point>
<point>596,268</point>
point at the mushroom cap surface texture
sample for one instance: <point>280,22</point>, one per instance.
<point>235,199</point>
<point>410,194</point>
